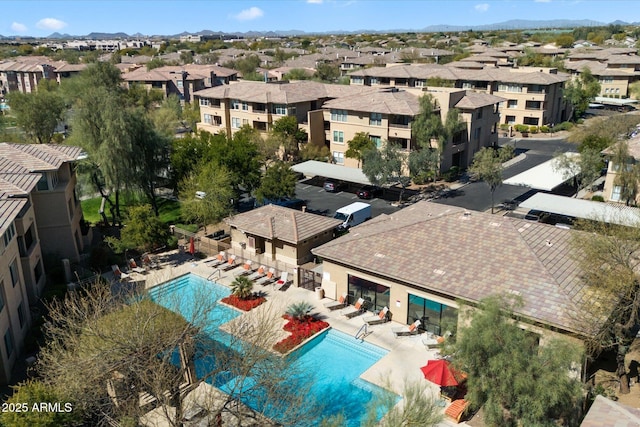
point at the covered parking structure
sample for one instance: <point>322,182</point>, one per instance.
<point>583,209</point>
<point>545,176</point>
<point>312,168</point>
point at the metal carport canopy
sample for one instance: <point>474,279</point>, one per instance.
<point>312,168</point>
<point>585,209</point>
<point>542,177</point>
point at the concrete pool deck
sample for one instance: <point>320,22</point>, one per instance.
<point>406,354</point>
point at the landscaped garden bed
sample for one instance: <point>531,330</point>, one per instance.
<point>243,304</point>
<point>301,329</point>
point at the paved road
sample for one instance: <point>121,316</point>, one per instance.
<point>476,195</point>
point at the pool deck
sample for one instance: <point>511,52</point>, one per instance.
<point>406,354</point>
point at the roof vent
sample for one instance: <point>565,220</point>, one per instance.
<point>438,272</point>
<point>379,255</point>
<point>495,224</point>
<point>466,215</point>
<point>513,292</point>
<point>548,243</point>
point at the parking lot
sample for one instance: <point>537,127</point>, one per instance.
<point>321,202</point>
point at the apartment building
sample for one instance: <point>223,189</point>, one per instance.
<point>57,214</point>
<point>613,191</point>
<point>533,95</point>
<point>182,81</point>
<point>22,74</point>
<point>259,104</point>
<point>387,114</point>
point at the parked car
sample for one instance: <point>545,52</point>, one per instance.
<point>369,192</point>
<point>333,186</point>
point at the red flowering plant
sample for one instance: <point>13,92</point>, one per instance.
<point>242,295</point>
<point>301,325</point>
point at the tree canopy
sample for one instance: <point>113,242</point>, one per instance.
<point>278,181</point>
<point>386,166</point>
<point>207,194</point>
<point>516,381</point>
<point>487,166</point>
<point>580,91</point>
<point>358,145</point>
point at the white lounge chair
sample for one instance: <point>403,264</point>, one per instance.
<point>148,262</point>
<point>269,278</point>
<point>219,259</point>
<point>258,274</point>
<point>403,331</point>
<point>283,280</point>
<point>245,270</point>
<point>118,274</point>
<point>341,303</point>
<point>354,310</point>
<point>133,266</point>
<point>231,263</point>
<point>381,317</point>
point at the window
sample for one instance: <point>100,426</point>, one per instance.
<point>245,122</point>
<point>374,81</point>
<point>338,157</point>
<point>280,109</point>
<point>180,83</point>
<point>375,119</point>
<point>245,106</point>
<point>376,140</point>
<point>511,120</point>
<point>21,315</point>
<point>512,103</point>
<point>235,122</point>
<point>338,136</point>
<point>615,193</point>
<point>420,83</point>
<point>375,295</point>
<point>8,235</point>
<point>606,90</point>
<point>431,314</point>
<point>606,79</point>
<point>235,104</point>
<point>204,102</point>
<point>207,118</point>
<point>8,342</point>
<point>467,85</point>
<point>70,206</point>
<point>531,121</point>
<point>476,133</point>
<point>13,269</point>
<point>43,184</point>
<point>509,87</point>
<point>533,105</point>
<point>1,295</point>
<point>479,116</point>
<point>48,181</point>
<point>357,80</point>
<point>37,271</point>
<point>338,115</point>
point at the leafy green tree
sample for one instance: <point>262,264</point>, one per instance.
<point>487,166</point>
<point>634,90</point>
<point>386,166</point>
<point>186,57</point>
<point>139,96</point>
<point>187,153</point>
<point>564,40</point>
<point>627,173</point>
<point>278,181</point>
<point>583,169</point>
<point>143,231</point>
<point>33,392</point>
<point>580,91</point>
<point>210,58</point>
<point>39,113</point>
<point>312,151</point>
<point>327,72</point>
<point>358,145</point>
<point>297,74</point>
<point>516,381</point>
<point>423,163</point>
<point>242,287</point>
<point>288,137</point>
<point>155,63</point>
<point>213,183</point>
<point>167,117</point>
<point>608,261</point>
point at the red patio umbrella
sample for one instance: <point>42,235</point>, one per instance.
<point>441,373</point>
<point>192,246</point>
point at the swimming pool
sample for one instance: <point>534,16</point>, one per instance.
<point>329,365</point>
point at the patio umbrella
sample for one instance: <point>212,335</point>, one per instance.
<point>441,373</point>
<point>192,246</point>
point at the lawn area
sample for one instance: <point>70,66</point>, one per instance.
<point>169,209</point>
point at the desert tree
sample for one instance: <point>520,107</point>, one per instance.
<point>386,166</point>
<point>584,168</point>
<point>627,172</point>
<point>487,166</point>
<point>515,380</point>
<point>580,91</point>
<point>279,180</point>
<point>143,231</point>
<point>360,143</point>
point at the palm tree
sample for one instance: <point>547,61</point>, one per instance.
<point>299,310</point>
<point>242,287</point>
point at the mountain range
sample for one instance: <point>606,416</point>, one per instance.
<point>514,24</point>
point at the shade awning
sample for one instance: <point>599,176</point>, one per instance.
<point>315,168</point>
<point>545,176</point>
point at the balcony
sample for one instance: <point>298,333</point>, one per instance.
<point>399,125</point>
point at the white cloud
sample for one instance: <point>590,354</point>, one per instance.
<point>18,27</point>
<point>315,1</point>
<point>249,14</point>
<point>482,7</point>
<point>51,24</point>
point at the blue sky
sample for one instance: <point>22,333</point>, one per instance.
<point>41,18</point>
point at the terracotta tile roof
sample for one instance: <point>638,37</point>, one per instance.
<point>9,210</point>
<point>469,256</point>
<point>285,224</point>
<point>21,158</point>
<point>473,100</point>
<point>17,184</point>
<point>383,101</point>
<point>605,412</point>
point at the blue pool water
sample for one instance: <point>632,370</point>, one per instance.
<point>329,365</point>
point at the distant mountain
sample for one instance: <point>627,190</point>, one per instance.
<point>57,35</point>
<point>102,36</point>
<point>517,24</point>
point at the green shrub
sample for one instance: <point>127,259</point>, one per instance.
<point>521,128</point>
<point>504,126</point>
<point>544,129</point>
<point>423,178</point>
<point>562,126</point>
<point>172,242</point>
<point>452,174</point>
<point>533,129</point>
<point>597,198</point>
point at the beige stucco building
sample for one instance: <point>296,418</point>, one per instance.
<point>280,234</point>
<point>424,260</point>
<point>613,191</point>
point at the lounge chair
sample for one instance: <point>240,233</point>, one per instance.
<point>246,269</point>
<point>133,266</point>
<point>404,331</point>
<point>457,409</point>
<point>283,280</point>
<point>269,278</point>
<point>341,303</point>
<point>355,310</point>
<point>217,260</point>
<point>258,274</point>
<point>430,341</point>
<point>118,273</point>
<point>381,317</point>
<point>231,263</point>
<point>148,262</point>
